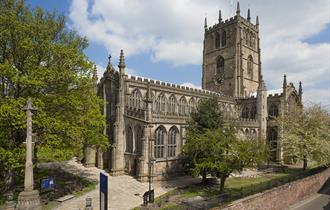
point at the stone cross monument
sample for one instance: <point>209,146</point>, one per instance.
<point>29,199</point>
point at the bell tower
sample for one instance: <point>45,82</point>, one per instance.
<point>231,56</point>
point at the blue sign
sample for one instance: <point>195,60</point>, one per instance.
<point>103,192</point>
<point>47,183</point>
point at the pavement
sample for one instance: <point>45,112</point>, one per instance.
<point>320,201</point>
<point>124,192</point>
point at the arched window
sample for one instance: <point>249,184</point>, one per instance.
<point>160,135</point>
<point>250,39</point>
<point>183,106</point>
<point>220,65</point>
<point>217,40</point>
<point>253,112</point>
<point>160,103</point>
<point>137,100</point>
<point>138,139</point>
<point>247,133</point>
<point>172,141</point>
<point>223,38</point>
<point>254,133</point>
<point>192,105</point>
<point>129,139</point>
<point>245,113</point>
<point>273,110</point>
<point>172,104</point>
<point>250,66</point>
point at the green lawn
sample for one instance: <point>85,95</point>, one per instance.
<point>235,188</point>
<point>65,184</point>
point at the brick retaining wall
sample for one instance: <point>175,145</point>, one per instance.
<point>282,196</point>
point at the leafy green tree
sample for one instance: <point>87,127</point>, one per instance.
<point>41,59</point>
<point>207,115</point>
<point>212,148</point>
<point>196,152</point>
<point>305,134</point>
<point>233,154</point>
<point>221,151</point>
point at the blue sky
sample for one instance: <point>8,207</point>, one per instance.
<point>162,39</point>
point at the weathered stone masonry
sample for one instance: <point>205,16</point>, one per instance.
<point>147,118</point>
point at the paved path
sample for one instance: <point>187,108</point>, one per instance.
<point>320,201</point>
<point>125,192</point>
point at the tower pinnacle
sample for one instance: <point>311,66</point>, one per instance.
<point>248,15</point>
<point>257,21</point>
<point>205,23</point>
<point>220,18</point>
<point>121,64</point>
<point>284,81</point>
<point>238,9</point>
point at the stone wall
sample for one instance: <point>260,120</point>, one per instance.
<point>283,196</point>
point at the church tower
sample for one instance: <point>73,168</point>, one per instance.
<point>231,56</point>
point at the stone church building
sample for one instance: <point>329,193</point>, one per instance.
<point>147,118</point>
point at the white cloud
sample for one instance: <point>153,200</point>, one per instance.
<point>172,31</point>
<point>177,52</point>
<point>188,84</point>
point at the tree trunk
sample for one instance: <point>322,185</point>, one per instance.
<point>8,182</point>
<point>204,177</point>
<point>305,164</point>
<point>222,183</point>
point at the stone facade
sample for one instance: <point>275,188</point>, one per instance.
<point>147,118</point>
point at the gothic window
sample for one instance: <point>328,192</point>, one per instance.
<point>160,103</point>
<point>250,66</point>
<point>254,133</point>
<point>250,39</point>
<point>129,139</point>
<point>246,37</point>
<point>160,135</point>
<point>172,104</point>
<point>273,110</point>
<point>217,40</point>
<point>245,113</point>
<point>136,99</point>
<point>191,105</point>
<point>138,140</point>
<point>183,106</point>
<point>172,140</point>
<point>223,38</point>
<point>220,65</point>
<point>253,112</point>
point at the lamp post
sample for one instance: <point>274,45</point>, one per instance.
<point>150,164</point>
<point>29,198</point>
<point>150,193</point>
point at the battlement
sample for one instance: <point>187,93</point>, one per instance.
<point>230,21</point>
<point>171,85</point>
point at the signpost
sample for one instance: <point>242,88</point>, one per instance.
<point>47,183</point>
<point>103,192</point>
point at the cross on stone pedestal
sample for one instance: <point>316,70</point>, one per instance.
<point>29,198</point>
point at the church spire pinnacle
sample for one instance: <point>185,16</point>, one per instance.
<point>205,23</point>
<point>220,18</point>
<point>284,81</point>
<point>248,15</point>
<point>121,64</point>
<point>238,10</point>
<point>257,21</point>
